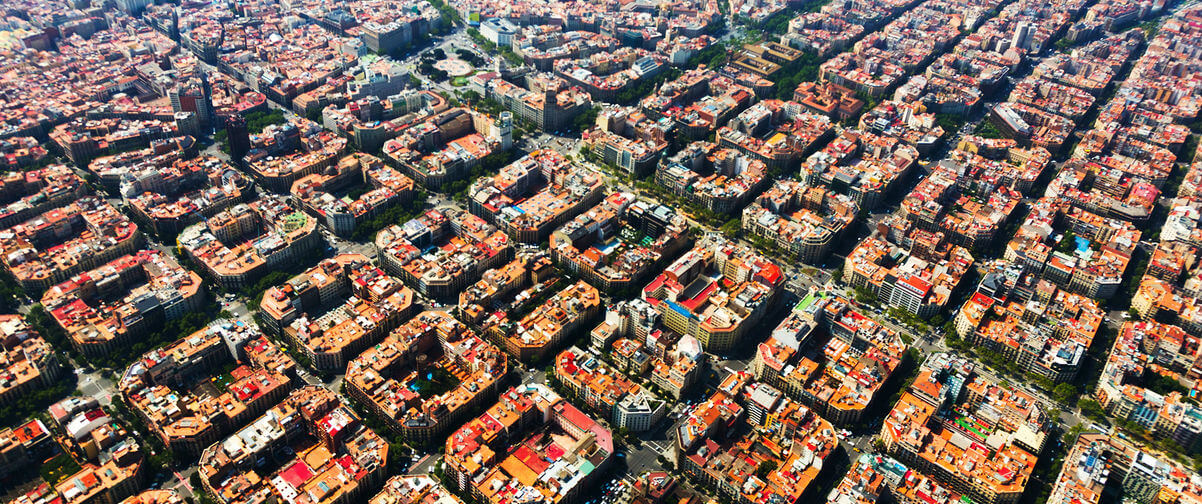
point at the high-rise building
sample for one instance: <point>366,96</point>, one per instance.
<point>206,96</point>
<point>133,7</point>
<point>196,98</point>
<point>502,130</point>
<point>1022,35</point>
<point>237,135</point>
<point>173,30</point>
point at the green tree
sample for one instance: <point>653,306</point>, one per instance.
<point>396,214</point>
<point>1162,384</point>
<point>585,120</point>
<point>398,454</point>
<point>1150,28</point>
<point>57,468</point>
<point>11,292</point>
<point>713,57</point>
<point>765,468</point>
<point>1091,409</point>
<point>732,228</point>
<point>864,296</point>
<point>951,123</point>
<point>778,24</point>
<point>986,129</point>
<point>1064,393</point>
<point>257,121</point>
<point>1067,243</point>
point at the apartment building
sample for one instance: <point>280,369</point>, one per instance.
<point>1075,249</point>
<point>874,477</point>
<point>237,246</point>
<point>919,280</point>
<point>62,242</point>
<point>283,153</point>
<point>443,251</point>
<point>337,460</point>
<point>426,376</point>
<point>714,453</point>
<point>342,215</point>
<point>330,327</point>
<point>777,133</point>
<point>30,193</point>
<point>28,362</point>
<point>856,357</point>
<point>404,489</point>
<point>443,147</point>
<point>715,292</point>
<point>108,308</point>
<point>1098,464</point>
<point>627,138</point>
<point>23,446</point>
<point>549,103</point>
<point>480,463</point>
<point>606,392</point>
<point>554,321</point>
<point>862,165</point>
<point>532,196</point>
<point>172,197</point>
<point>1045,330</point>
<point>528,268</point>
<point>1146,350</point>
<point>718,179</point>
<point>187,420</point>
<point>939,425</point>
<point>804,220</point>
<point>617,243</point>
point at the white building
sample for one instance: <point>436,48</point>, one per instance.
<point>639,412</point>
<point>498,31</point>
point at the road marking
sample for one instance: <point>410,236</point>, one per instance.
<point>184,482</point>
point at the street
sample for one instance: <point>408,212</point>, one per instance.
<point>94,384</point>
